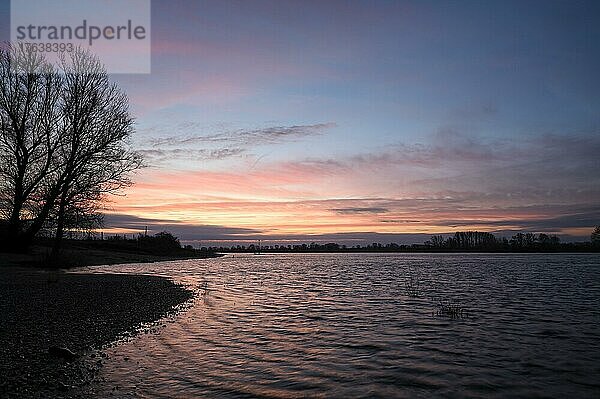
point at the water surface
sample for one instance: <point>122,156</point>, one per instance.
<point>343,325</point>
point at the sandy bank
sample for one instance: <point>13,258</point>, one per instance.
<point>82,312</point>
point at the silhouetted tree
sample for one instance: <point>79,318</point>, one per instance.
<point>529,240</point>
<point>595,237</point>
<point>437,241</point>
<point>471,240</point>
<point>517,241</point>
<point>533,242</point>
<point>29,115</point>
<point>63,145</point>
<point>94,155</point>
<point>163,243</point>
<point>544,239</point>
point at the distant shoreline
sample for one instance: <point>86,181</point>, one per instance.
<point>424,251</point>
<point>76,256</point>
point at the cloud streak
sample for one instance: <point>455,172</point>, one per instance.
<point>454,182</point>
<point>219,146</point>
<point>157,154</point>
<point>247,138</point>
<point>357,211</point>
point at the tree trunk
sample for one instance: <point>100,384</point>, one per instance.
<point>13,231</point>
<point>20,242</point>
<point>60,230</point>
<point>42,216</point>
<point>12,242</point>
<point>16,241</point>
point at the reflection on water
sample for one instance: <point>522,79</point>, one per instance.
<point>348,325</point>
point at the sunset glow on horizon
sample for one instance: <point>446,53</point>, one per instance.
<point>349,121</point>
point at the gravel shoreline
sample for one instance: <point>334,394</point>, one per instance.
<point>41,311</point>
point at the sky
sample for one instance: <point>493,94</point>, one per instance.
<point>361,121</point>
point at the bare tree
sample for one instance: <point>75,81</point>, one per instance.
<point>95,157</point>
<point>595,236</point>
<point>80,130</point>
<point>29,94</point>
<point>437,241</point>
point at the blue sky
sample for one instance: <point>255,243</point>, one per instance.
<point>437,116</point>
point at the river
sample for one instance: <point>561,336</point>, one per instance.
<point>370,325</point>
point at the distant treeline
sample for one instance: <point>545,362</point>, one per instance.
<point>160,244</point>
<point>165,243</point>
<point>469,241</point>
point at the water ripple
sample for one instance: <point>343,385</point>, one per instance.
<point>344,325</point>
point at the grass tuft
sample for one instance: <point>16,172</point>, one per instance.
<point>450,310</point>
<point>412,284</point>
